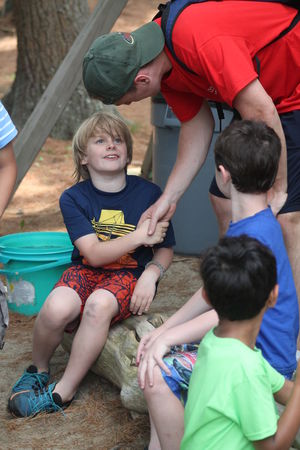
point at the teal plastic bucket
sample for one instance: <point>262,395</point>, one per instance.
<point>32,264</point>
<point>35,246</point>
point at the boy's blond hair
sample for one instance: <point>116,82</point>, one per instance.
<point>99,122</point>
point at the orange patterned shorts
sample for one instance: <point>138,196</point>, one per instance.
<point>86,280</point>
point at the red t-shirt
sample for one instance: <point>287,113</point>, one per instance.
<point>218,41</point>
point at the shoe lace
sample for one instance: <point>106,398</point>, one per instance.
<point>31,381</point>
<point>42,400</point>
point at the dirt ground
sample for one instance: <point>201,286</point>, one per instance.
<point>96,419</point>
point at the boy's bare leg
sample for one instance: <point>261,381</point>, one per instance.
<point>166,412</point>
<point>61,307</point>
<point>88,342</point>
<point>154,443</point>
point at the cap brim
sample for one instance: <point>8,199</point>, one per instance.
<point>151,41</point>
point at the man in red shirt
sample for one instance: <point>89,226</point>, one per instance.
<point>218,42</point>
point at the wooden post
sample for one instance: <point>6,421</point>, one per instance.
<point>53,101</point>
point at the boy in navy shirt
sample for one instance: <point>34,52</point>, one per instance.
<point>116,264</point>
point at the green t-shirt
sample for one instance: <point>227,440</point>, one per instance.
<point>230,398</point>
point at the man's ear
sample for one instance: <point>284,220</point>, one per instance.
<point>271,302</point>
<point>142,78</point>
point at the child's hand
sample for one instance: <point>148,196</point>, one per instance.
<point>143,293</point>
<point>158,235</point>
<point>147,341</point>
<point>150,358</point>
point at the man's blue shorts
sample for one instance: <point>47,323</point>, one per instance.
<point>291,126</point>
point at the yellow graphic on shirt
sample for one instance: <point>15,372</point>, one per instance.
<point>111,224</point>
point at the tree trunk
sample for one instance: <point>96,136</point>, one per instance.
<point>46,29</point>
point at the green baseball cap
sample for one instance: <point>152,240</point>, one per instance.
<point>113,60</point>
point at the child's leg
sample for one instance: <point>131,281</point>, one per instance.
<point>166,414</point>
<point>154,443</point>
<point>104,295</point>
<point>88,342</point>
<point>171,391</point>
<point>61,307</point>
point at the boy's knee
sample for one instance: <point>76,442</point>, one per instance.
<point>102,306</point>
<point>159,387</point>
<point>58,311</point>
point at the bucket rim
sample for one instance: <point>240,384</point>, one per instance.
<point>36,268</point>
<point>8,243</point>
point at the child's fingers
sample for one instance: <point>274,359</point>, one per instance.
<point>135,303</point>
<point>148,303</point>
<point>141,348</point>
<point>142,306</point>
<point>132,303</point>
<point>151,364</point>
<point>142,372</point>
<point>164,224</point>
<point>161,364</point>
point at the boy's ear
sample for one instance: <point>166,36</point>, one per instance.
<point>271,302</point>
<point>83,161</point>
<point>224,173</point>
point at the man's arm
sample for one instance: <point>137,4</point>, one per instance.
<point>99,253</point>
<point>254,103</point>
<point>8,174</point>
<point>193,145</point>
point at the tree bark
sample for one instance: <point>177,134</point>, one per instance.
<point>46,29</point>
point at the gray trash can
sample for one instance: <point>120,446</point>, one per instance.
<point>194,221</point>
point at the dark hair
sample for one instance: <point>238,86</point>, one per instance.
<point>238,276</point>
<point>250,151</point>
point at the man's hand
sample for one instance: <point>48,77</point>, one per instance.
<point>161,210</point>
<point>143,293</point>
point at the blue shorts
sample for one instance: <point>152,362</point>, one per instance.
<point>291,126</point>
<point>180,361</point>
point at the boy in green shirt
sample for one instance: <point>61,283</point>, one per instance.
<point>230,400</point>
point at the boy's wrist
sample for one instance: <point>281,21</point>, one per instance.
<point>157,268</point>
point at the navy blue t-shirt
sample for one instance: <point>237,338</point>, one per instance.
<point>87,210</point>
